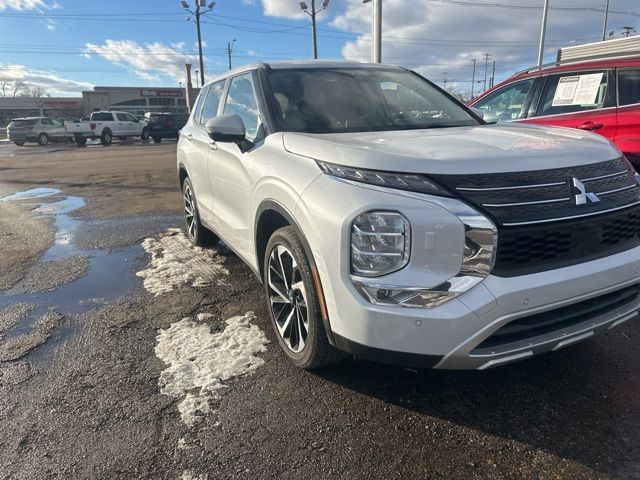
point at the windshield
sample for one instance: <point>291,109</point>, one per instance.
<point>360,100</point>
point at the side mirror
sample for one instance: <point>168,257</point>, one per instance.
<point>478,112</point>
<point>226,128</point>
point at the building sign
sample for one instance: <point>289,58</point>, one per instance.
<point>577,90</point>
<point>161,93</point>
<point>60,103</point>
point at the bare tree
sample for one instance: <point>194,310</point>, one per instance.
<point>37,92</point>
<point>10,87</point>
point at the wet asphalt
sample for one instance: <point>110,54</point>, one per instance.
<point>79,395</point>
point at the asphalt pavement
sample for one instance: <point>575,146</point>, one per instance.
<point>81,376</point>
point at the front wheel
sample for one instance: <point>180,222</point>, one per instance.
<point>157,139</point>
<point>293,302</point>
<point>80,141</point>
<point>197,233</point>
<point>145,134</point>
<point>43,139</point>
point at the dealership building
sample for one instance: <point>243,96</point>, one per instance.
<point>135,100</point>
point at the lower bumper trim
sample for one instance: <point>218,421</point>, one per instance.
<point>393,357</point>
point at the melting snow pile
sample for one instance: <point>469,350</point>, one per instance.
<point>175,261</point>
<point>200,361</point>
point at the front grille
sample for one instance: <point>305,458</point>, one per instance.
<point>523,250</point>
<point>565,317</point>
<point>540,226</point>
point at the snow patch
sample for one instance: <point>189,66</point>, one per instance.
<point>175,261</point>
<point>199,361</point>
<point>191,475</point>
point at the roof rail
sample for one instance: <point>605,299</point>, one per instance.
<point>619,48</point>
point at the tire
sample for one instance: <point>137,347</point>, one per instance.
<point>157,139</point>
<point>291,293</point>
<point>106,138</point>
<point>199,235</point>
<point>19,142</point>
<point>145,134</point>
<point>43,139</point>
<point>81,141</point>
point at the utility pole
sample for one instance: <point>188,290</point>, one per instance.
<point>543,32</point>
<point>197,79</point>
<point>376,30</point>
<point>444,83</point>
<point>606,18</point>
<point>230,50</point>
<point>486,68</point>
<point>627,31</point>
<point>201,9</point>
<point>473,77</point>
<point>493,75</point>
<point>313,13</point>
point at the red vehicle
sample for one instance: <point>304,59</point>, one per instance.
<point>602,96</point>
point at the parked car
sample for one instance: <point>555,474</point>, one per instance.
<point>599,96</point>
<point>166,125</point>
<point>105,126</point>
<point>387,220</point>
<point>36,129</point>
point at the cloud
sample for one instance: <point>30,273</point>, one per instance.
<point>53,84</point>
<point>39,5</point>
<point>283,8</point>
<point>150,61</point>
<point>436,36</point>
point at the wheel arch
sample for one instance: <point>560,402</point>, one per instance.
<point>271,216</point>
<point>183,173</point>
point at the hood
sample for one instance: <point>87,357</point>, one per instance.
<point>475,149</point>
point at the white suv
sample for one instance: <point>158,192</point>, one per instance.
<point>387,220</point>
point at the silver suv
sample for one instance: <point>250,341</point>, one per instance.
<point>387,220</point>
<point>36,129</point>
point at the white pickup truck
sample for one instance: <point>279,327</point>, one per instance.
<point>105,126</point>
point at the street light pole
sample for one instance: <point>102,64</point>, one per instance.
<point>486,68</point>
<point>376,30</point>
<point>473,77</point>
<point>199,11</point>
<point>543,32</point>
<point>313,13</point>
<point>606,19</point>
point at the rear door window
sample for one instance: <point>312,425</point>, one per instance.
<point>628,86</point>
<point>23,123</point>
<point>576,92</point>
<point>122,117</point>
<point>45,121</point>
<point>102,117</point>
<point>507,103</point>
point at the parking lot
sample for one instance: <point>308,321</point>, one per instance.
<point>100,376</point>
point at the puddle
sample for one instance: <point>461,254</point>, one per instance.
<point>110,275</point>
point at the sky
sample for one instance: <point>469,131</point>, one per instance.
<point>66,46</point>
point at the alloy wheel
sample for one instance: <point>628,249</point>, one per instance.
<point>190,212</point>
<point>287,298</point>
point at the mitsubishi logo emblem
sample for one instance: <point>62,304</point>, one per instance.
<point>579,194</point>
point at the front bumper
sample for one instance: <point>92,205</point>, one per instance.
<point>447,336</point>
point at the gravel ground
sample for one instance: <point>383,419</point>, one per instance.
<point>79,393</point>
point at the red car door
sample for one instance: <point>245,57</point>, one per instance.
<point>585,100</point>
<point>628,135</point>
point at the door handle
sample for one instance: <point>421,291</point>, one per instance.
<point>189,136</point>
<point>213,145</point>
<point>590,125</point>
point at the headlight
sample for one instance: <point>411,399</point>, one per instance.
<point>380,243</point>
<point>400,181</point>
